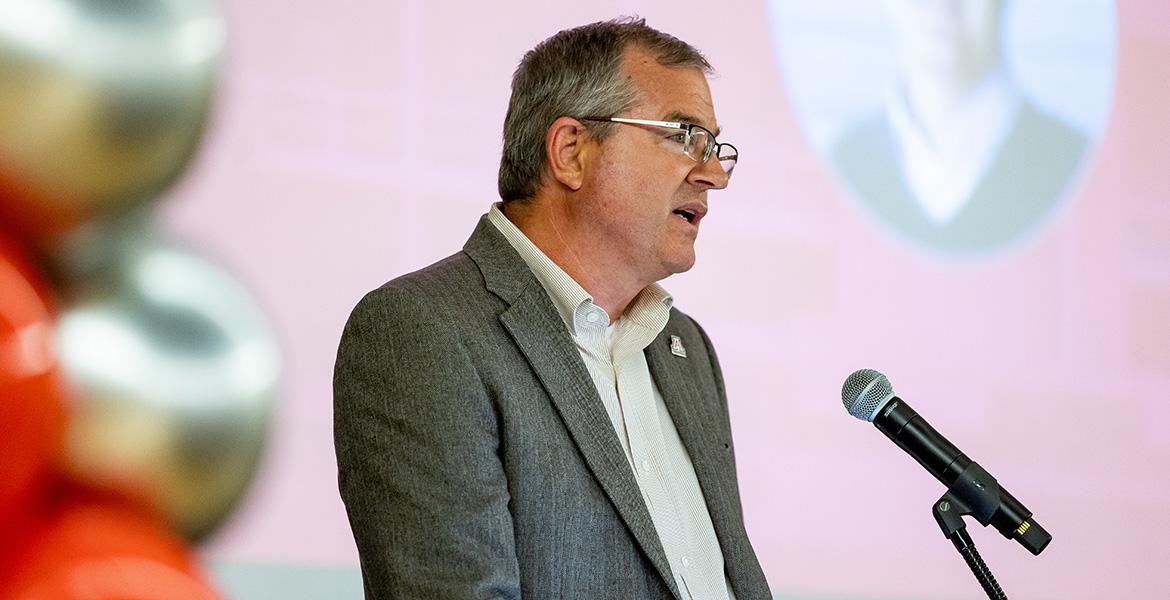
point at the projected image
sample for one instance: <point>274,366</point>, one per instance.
<point>959,125</point>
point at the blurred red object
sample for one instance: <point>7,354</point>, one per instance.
<point>87,547</point>
<point>32,408</point>
<point>34,218</point>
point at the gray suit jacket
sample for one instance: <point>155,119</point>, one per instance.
<point>476,460</point>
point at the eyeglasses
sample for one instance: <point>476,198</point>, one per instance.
<point>697,142</point>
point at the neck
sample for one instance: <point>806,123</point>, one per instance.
<point>551,225</point>
<point>933,99</point>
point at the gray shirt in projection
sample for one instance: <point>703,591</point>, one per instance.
<point>1020,189</point>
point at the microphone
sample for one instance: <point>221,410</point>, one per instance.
<point>868,395</point>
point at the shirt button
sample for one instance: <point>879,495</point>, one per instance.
<point>645,465</point>
<point>591,317</point>
<point>686,562</point>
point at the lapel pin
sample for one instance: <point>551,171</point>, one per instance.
<point>676,347</point>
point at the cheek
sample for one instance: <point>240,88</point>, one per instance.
<point>620,181</point>
<point>638,183</point>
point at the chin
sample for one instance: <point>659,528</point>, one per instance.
<point>680,264</point>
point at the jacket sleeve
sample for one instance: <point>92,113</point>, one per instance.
<point>417,455</point>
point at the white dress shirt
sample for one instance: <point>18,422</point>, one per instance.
<point>942,168</point>
<point>614,356</point>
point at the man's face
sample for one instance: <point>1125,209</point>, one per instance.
<point>645,198</point>
<point>946,38</point>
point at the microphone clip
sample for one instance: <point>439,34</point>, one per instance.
<point>975,492</point>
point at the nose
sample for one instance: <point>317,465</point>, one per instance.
<point>709,175</point>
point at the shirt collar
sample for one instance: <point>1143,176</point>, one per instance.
<point>984,114</point>
<point>943,168</point>
<point>650,308</point>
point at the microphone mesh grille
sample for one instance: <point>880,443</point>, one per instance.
<point>864,392</point>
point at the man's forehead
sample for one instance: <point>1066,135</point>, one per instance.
<point>671,93</point>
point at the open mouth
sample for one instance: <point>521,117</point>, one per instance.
<point>687,214</point>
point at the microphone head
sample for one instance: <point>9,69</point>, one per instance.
<point>865,392</point>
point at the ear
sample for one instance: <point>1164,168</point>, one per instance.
<point>566,149</point>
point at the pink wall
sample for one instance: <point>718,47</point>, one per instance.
<point>356,141</point>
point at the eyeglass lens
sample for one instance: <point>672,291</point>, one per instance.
<point>700,145</point>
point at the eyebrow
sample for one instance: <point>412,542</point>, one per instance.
<point>688,118</point>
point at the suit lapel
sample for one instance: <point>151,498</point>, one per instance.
<point>533,322</point>
<point>697,422</point>
<point>693,418</point>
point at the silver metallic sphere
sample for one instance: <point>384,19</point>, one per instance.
<point>101,105</point>
<point>174,371</point>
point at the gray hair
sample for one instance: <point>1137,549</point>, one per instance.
<point>576,73</point>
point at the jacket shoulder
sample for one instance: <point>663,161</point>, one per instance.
<point>435,280</point>
<point>421,305</point>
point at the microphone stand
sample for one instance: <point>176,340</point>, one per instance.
<point>975,493</point>
<point>949,512</point>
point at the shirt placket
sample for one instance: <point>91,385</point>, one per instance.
<point>651,465</point>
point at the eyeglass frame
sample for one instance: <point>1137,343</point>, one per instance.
<point>711,148</point>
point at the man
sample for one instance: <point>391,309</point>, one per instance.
<point>960,160</point>
<point>530,417</point>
